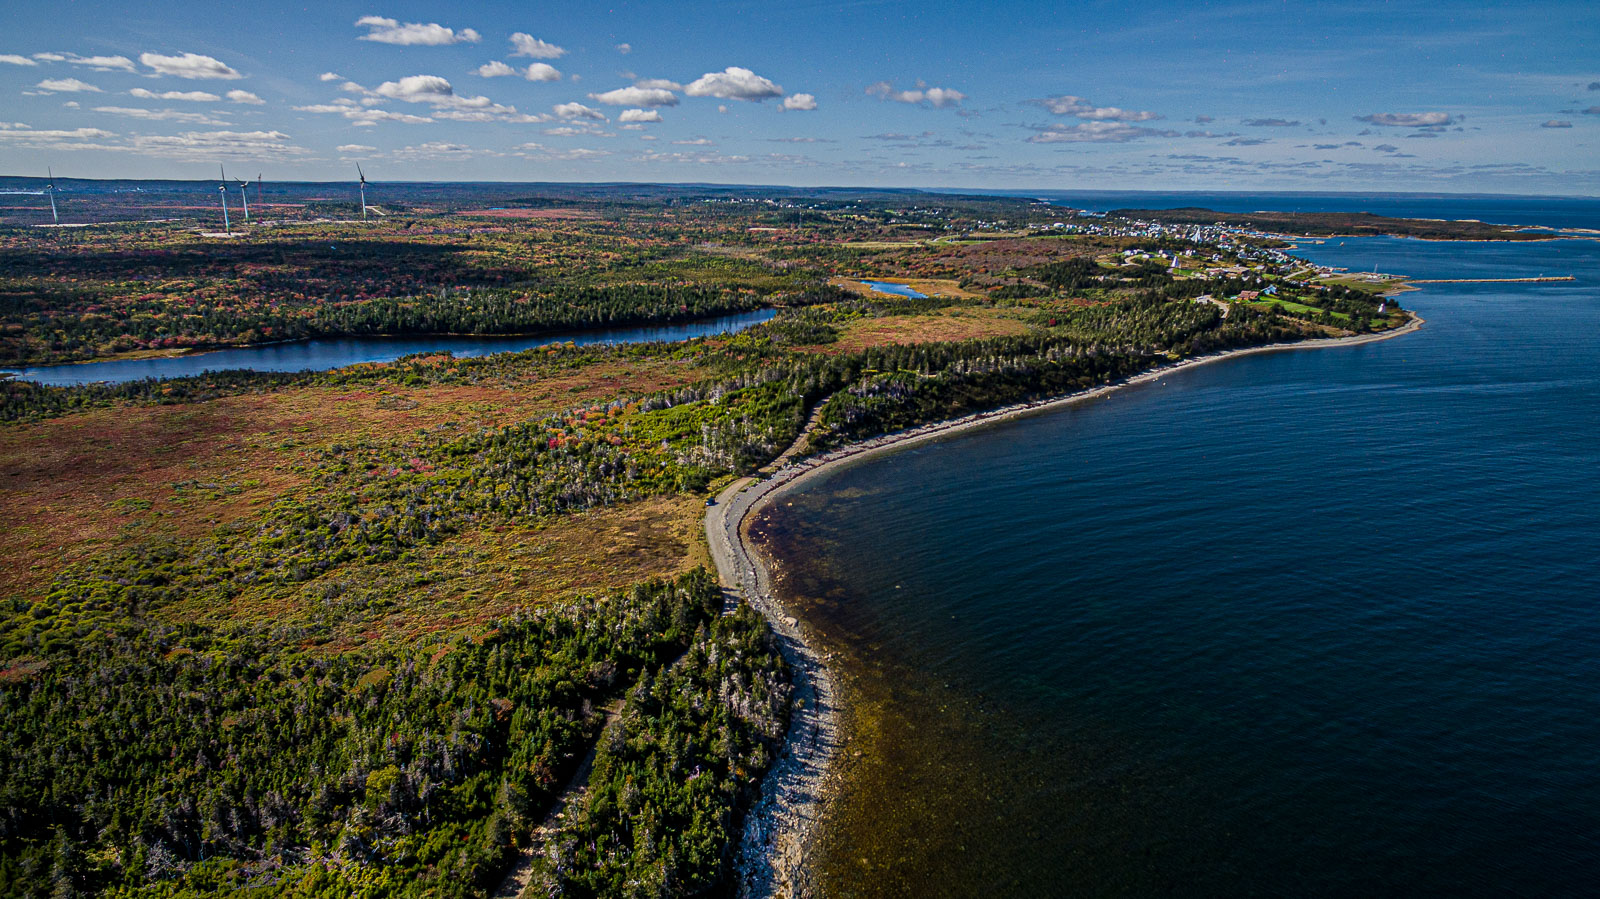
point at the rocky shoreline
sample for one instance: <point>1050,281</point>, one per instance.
<point>779,830</point>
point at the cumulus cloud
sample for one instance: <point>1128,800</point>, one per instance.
<point>1096,132</point>
<point>1271,123</point>
<point>1080,107</point>
<point>355,149</point>
<point>417,89</point>
<point>15,60</point>
<point>495,69</point>
<point>665,84</point>
<point>624,49</point>
<point>542,71</point>
<point>1554,123</point>
<point>246,98</point>
<point>183,96</point>
<point>733,83</point>
<point>1408,119</point>
<point>800,102</point>
<point>637,96</point>
<point>413,34</point>
<point>937,97</point>
<point>330,76</point>
<point>193,66</point>
<point>578,111</point>
<point>161,115</point>
<point>67,86</point>
<point>638,116</point>
<point>524,44</point>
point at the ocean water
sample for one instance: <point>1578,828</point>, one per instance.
<point>324,354</point>
<point>1323,622</point>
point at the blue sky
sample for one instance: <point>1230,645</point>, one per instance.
<point>1400,96</point>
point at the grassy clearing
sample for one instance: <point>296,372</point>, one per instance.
<point>115,477</point>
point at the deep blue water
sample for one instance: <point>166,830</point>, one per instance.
<point>1322,622</point>
<point>320,355</point>
<point>896,289</point>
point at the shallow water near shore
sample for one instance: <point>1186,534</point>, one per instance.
<point>1319,622</point>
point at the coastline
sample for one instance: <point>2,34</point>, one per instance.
<point>779,830</point>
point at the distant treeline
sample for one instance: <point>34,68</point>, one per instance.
<point>1333,224</point>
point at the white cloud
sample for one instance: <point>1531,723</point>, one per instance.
<point>190,65</point>
<point>356,149</point>
<point>581,130</point>
<point>183,96</point>
<point>1409,119</point>
<point>658,84</point>
<point>363,116</point>
<point>495,69</point>
<point>637,96</point>
<point>67,85</point>
<point>27,136</point>
<point>102,63</point>
<point>524,44</point>
<point>1083,109</point>
<point>15,60</point>
<point>624,49</point>
<point>246,98</point>
<point>417,89</point>
<point>638,116</point>
<point>800,102</point>
<point>937,97</point>
<point>161,115</point>
<point>49,57</point>
<point>578,111</point>
<point>413,34</point>
<point>330,76</point>
<point>542,71</point>
<point>733,83</point>
<point>575,154</point>
<point>697,142</point>
<point>214,144</point>
<point>1096,132</point>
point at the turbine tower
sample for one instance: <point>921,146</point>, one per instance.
<point>51,191</point>
<point>223,195</point>
<point>243,199</point>
<point>363,191</point>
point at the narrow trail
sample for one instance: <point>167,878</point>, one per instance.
<point>516,880</point>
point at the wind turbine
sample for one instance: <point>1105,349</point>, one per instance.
<point>51,191</point>
<point>259,204</point>
<point>363,191</point>
<point>245,200</point>
<point>223,195</point>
